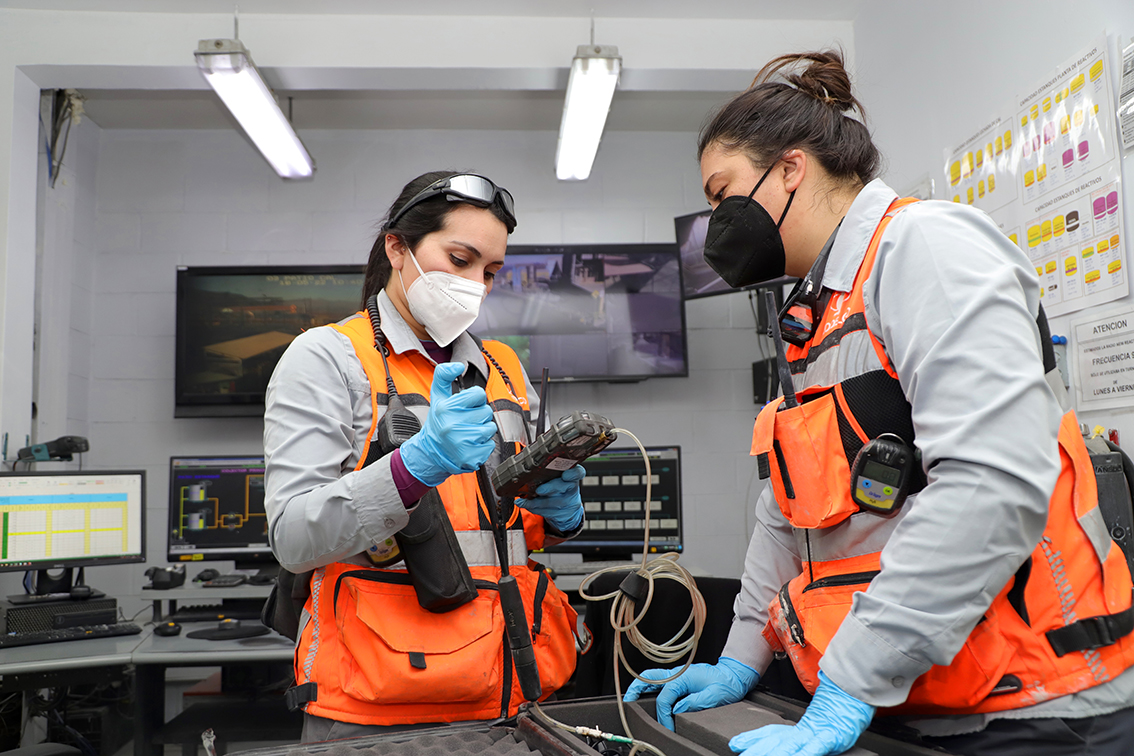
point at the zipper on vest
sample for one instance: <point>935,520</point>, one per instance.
<point>537,603</point>
<point>794,625</point>
<point>394,578</point>
<point>506,683</point>
<point>789,489</point>
<point>834,581</point>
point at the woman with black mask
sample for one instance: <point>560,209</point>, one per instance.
<point>930,544</point>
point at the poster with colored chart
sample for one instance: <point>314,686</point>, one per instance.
<point>1047,170</point>
<point>1069,185</point>
<point>981,171</point>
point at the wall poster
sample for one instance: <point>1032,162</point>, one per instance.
<point>1047,169</point>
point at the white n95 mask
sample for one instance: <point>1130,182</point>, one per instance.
<point>443,303</point>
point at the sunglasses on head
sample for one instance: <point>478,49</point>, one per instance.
<point>463,187</point>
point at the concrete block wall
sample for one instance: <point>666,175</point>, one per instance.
<point>168,198</point>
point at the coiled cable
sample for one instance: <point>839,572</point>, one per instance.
<point>626,614</point>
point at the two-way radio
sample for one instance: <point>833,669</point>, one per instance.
<point>427,544</point>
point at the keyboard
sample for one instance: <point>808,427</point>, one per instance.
<point>225,581</point>
<point>213,613</point>
<point>69,633</point>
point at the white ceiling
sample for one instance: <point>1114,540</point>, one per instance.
<point>415,103</point>
<point>830,10</point>
<point>353,109</point>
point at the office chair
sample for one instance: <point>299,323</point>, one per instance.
<point>594,674</point>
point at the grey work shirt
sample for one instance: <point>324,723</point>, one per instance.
<point>317,417</point>
<point>954,301</point>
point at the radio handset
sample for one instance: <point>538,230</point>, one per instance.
<point>437,568</point>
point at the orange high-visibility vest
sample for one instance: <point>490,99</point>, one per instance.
<point>1060,626</point>
<point>375,656</point>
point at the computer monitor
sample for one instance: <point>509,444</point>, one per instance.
<point>234,323</point>
<point>590,312</point>
<point>697,278</point>
<point>71,518</point>
<point>216,511</point>
<point>614,499</point>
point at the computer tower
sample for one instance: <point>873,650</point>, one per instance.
<point>49,615</point>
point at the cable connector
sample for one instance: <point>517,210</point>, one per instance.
<point>594,732</point>
<point>635,586</point>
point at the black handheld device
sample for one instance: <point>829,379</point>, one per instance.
<point>564,445</point>
<point>519,638</point>
<point>880,476</point>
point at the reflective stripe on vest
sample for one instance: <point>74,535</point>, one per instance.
<point>855,536</point>
<point>1060,626</point>
<point>853,355</point>
<point>377,657</point>
<point>479,549</point>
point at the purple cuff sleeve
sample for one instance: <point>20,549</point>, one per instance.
<point>409,488</point>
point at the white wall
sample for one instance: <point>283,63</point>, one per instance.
<point>206,198</point>
<point>128,50</point>
<point>931,73</point>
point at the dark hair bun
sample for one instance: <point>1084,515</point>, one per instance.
<point>798,102</point>
<point>819,74</point>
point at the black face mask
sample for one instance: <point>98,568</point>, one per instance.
<point>743,243</point>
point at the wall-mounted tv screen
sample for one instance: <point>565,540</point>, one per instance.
<point>592,312</point>
<point>234,323</point>
<point>699,280</point>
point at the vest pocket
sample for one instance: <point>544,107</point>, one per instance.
<point>975,673</point>
<point>398,653</point>
<point>805,616</point>
<point>553,635</point>
<point>808,467</point>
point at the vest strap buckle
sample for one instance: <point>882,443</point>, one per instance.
<point>1092,632</point>
<point>298,695</point>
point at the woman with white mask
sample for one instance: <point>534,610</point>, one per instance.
<point>378,434</point>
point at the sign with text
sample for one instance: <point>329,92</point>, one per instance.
<point>1104,347</point>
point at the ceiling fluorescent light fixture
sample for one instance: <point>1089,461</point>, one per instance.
<point>594,76</point>
<point>229,70</point>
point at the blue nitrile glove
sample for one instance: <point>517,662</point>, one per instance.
<point>558,500</point>
<point>458,431</point>
<point>702,686</point>
<point>830,725</point>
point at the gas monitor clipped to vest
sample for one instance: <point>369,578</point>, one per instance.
<point>880,476</point>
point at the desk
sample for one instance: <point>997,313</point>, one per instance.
<point>96,661</point>
<point>154,654</point>
<point>103,659</point>
<point>69,662</point>
<point>198,594</point>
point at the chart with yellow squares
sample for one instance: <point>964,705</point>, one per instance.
<point>1047,170</point>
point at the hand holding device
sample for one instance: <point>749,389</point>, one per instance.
<point>702,686</point>
<point>830,725</point>
<point>458,432</point>
<point>558,500</point>
<point>564,445</point>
